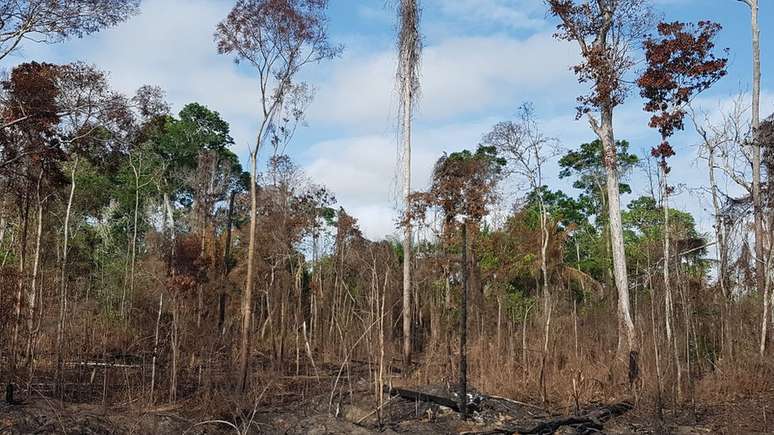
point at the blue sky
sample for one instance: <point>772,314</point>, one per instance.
<point>482,59</point>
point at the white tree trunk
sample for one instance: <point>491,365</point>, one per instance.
<point>761,263</point>
<point>625,323</point>
<point>668,299</point>
<point>60,332</point>
<point>170,218</point>
<point>134,231</point>
<point>247,296</point>
<point>34,285</point>
<point>756,146</point>
<point>409,46</point>
<point>156,347</point>
<point>407,230</point>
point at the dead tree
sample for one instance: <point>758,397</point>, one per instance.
<point>409,51</point>
<point>277,39</point>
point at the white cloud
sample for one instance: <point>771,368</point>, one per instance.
<point>513,14</point>
<point>362,170</point>
<point>459,76</point>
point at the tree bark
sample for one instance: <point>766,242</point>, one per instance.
<point>756,146</point>
<point>668,299</point>
<point>134,230</point>
<point>34,284</point>
<point>407,230</point>
<point>226,260</point>
<point>156,347</point>
<point>60,332</point>
<point>24,214</point>
<point>174,344</point>
<point>409,46</point>
<point>625,323</point>
<point>546,292</point>
<point>464,326</point>
<point>247,296</point>
<point>760,256</point>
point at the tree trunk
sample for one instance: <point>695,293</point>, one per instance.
<point>464,326</point>
<point>524,358</point>
<point>721,250</point>
<point>60,332</point>
<point>156,347</point>
<point>668,299</point>
<point>8,251</point>
<point>226,260</point>
<point>174,345</point>
<point>3,224</point>
<point>134,232</point>
<point>229,229</point>
<point>765,319</point>
<point>760,263</point>
<point>34,285</point>
<point>407,229</point>
<point>625,323</point>
<point>756,147</point>
<point>24,213</point>
<point>247,297</point>
<point>409,46</point>
<point>546,293</point>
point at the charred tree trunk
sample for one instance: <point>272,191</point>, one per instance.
<point>24,213</point>
<point>464,326</point>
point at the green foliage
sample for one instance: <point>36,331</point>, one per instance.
<point>644,230</point>
<point>563,209</point>
<point>587,166</point>
<point>517,303</point>
<point>178,143</point>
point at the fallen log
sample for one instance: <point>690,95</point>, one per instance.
<point>423,397</point>
<point>551,426</point>
<point>592,420</point>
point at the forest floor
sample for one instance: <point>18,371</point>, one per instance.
<point>315,416</point>
<point>305,405</point>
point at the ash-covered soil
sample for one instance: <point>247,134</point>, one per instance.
<point>353,412</point>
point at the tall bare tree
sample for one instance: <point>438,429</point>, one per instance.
<point>527,150</point>
<point>409,52</point>
<point>607,31</point>
<point>760,255</point>
<point>277,38</point>
<point>760,273</point>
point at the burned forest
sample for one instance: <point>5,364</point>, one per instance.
<point>402,216</point>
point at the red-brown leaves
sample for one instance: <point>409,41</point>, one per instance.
<point>605,31</point>
<point>463,185</point>
<point>681,65</point>
<point>188,266</point>
<point>32,95</point>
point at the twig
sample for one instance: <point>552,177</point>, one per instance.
<point>516,402</point>
<point>376,410</point>
<point>232,425</point>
